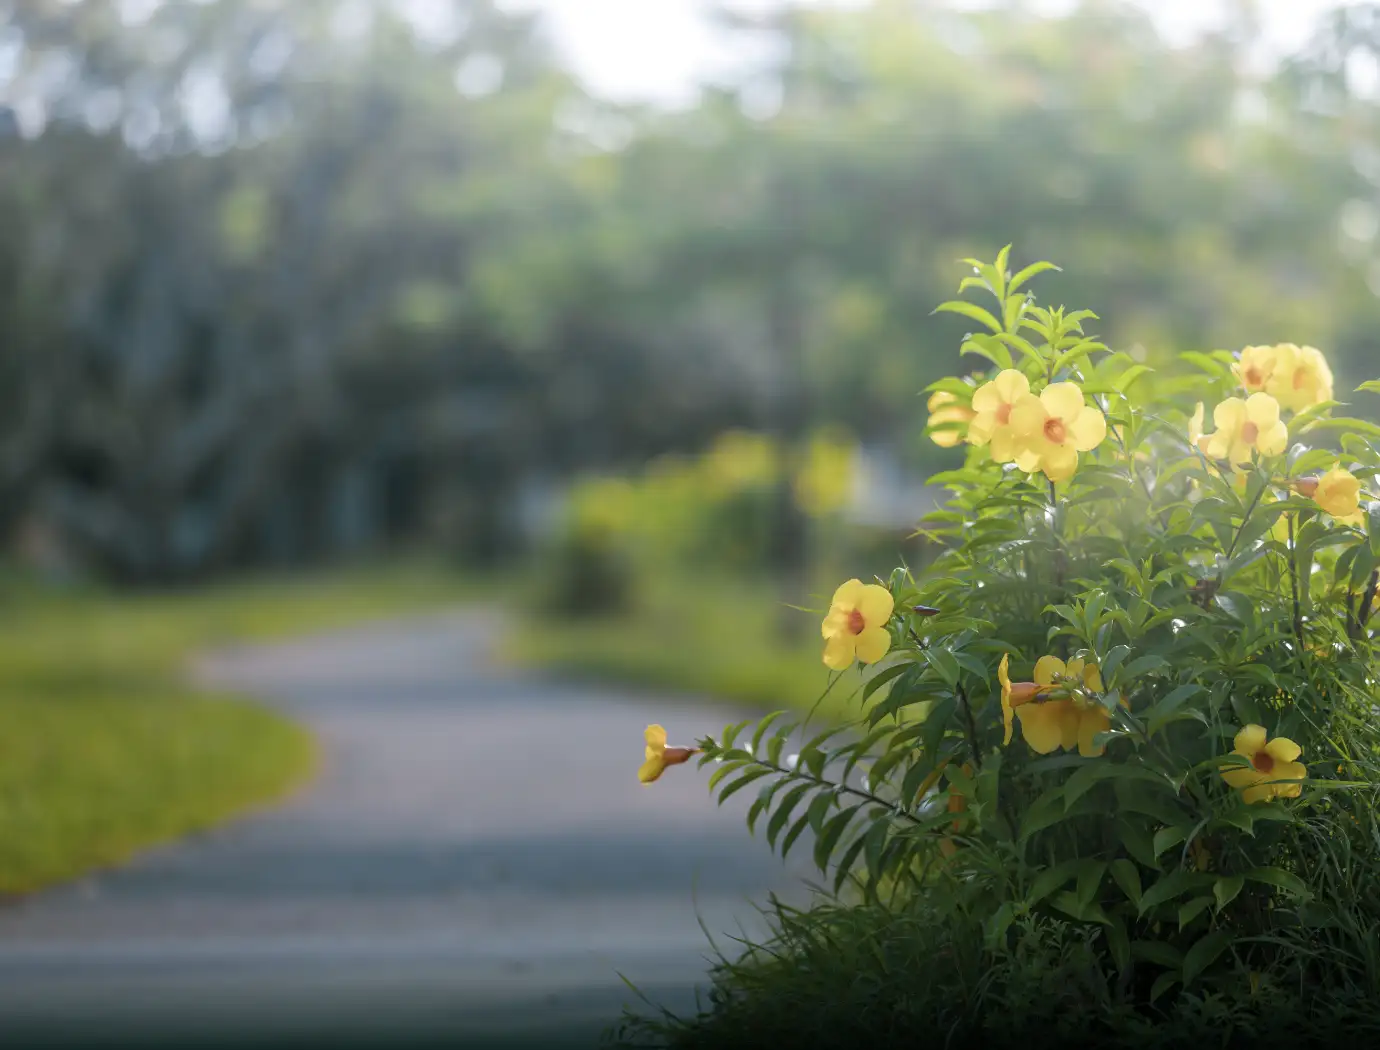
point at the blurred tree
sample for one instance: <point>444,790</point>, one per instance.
<point>284,279</point>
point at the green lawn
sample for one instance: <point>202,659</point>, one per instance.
<point>714,637</point>
<point>105,750</point>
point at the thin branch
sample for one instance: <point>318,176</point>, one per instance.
<point>970,727</point>
<point>1294,583</point>
<point>1362,622</point>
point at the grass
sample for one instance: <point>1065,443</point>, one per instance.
<point>714,637</point>
<point>105,749</point>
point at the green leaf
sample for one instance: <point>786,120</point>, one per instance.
<point>831,833</point>
<point>1203,954</point>
<point>1127,876</point>
<point>1226,888</point>
<point>796,829</point>
<point>971,311</point>
<point>944,663</point>
<point>1163,983</point>
<point>1030,271</point>
<point>783,811</point>
<point>1373,527</point>
<point>1192,909</point>
<point>762,728</point>
<point>1166,837</point>
<point>1123,382</point>
<point>994,930</point>
<point>1175,884</point>
<point>846,862</point>
<point>1159,953</point>
<point>742,782</point>
<point>1137,842</point>
<point>1280,879</point>
<point>1118,944</point>
<point>1050,880</point>
<point>1370,385</point>
<point>1161,712</point>
<point>1090,879</point>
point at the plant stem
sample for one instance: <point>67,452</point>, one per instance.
<point>970,727</point>
<point>1255,501</point>
<point>1362,621</point>
<point>845,788</point>
<point>1294,583</point>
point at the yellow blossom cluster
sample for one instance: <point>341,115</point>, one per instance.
<point>1038,432</point>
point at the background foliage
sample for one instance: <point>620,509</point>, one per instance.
<point>288,280</point>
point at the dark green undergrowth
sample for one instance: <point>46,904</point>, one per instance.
<point>881,977</point>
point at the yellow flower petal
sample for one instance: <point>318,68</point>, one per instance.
<point>875,603</point>
<point>1005,445</point>
<point>1195,425</point>
<point>1091,721</point>
<point>1028,416</point>
<point>981,429</point>
<point>1004,677</point>
<point>1060,462</point>
<point>1241,776</point>
<point>1088,429</point>
<point>1259,793</point>
<point>1229,414</point>
<point>656,738</point>
<point>1282,749</point>
<point>1263,411</point>
<point>1273,441</point>
<point>1256,366</point>
<point>651,769</point>
<point>1047,668</point>
<point>1042,725</point>
<point>873,644</point>
<point>1028,460</point>
<point>1092,678</point>
<point>1249,740</point>
<point>847,594</point>
<point>1011,384</point>
<point>839,651</point>
<point>1063,401</point>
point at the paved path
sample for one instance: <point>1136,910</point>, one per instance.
<point>476,849</point>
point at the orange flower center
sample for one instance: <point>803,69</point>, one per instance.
<point>1263,762</point>
<point>1004,413</point>
<point>1253,377</point>
<point>1250,433</point>
<point>1300,378</point>
<point>856,623</point>
<point>1055,431</point>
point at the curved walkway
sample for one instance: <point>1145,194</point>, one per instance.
<point>476,855</point>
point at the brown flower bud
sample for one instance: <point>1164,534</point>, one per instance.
<point>1306,487</point>
<point>674,756</point>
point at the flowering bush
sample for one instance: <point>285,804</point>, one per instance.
<point>1134,696</point>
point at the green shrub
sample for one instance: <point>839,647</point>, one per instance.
<point>1115,773</point>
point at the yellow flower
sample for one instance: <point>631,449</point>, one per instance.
<point>1195,426</point>
<point>1067,721</point>
<point>856,625</point>
<point>1300,378</point>
<point>1013,695</point>
<point>1246,426</point>
<point>1053,428</point>
<point>659,756</point>
<point>1256,366</point>
<point>949,413</point>
<point>992,405</point>
<point>1273,772</point>
<point>1339,493</point>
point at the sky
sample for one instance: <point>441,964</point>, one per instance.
<point>658,49</point>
